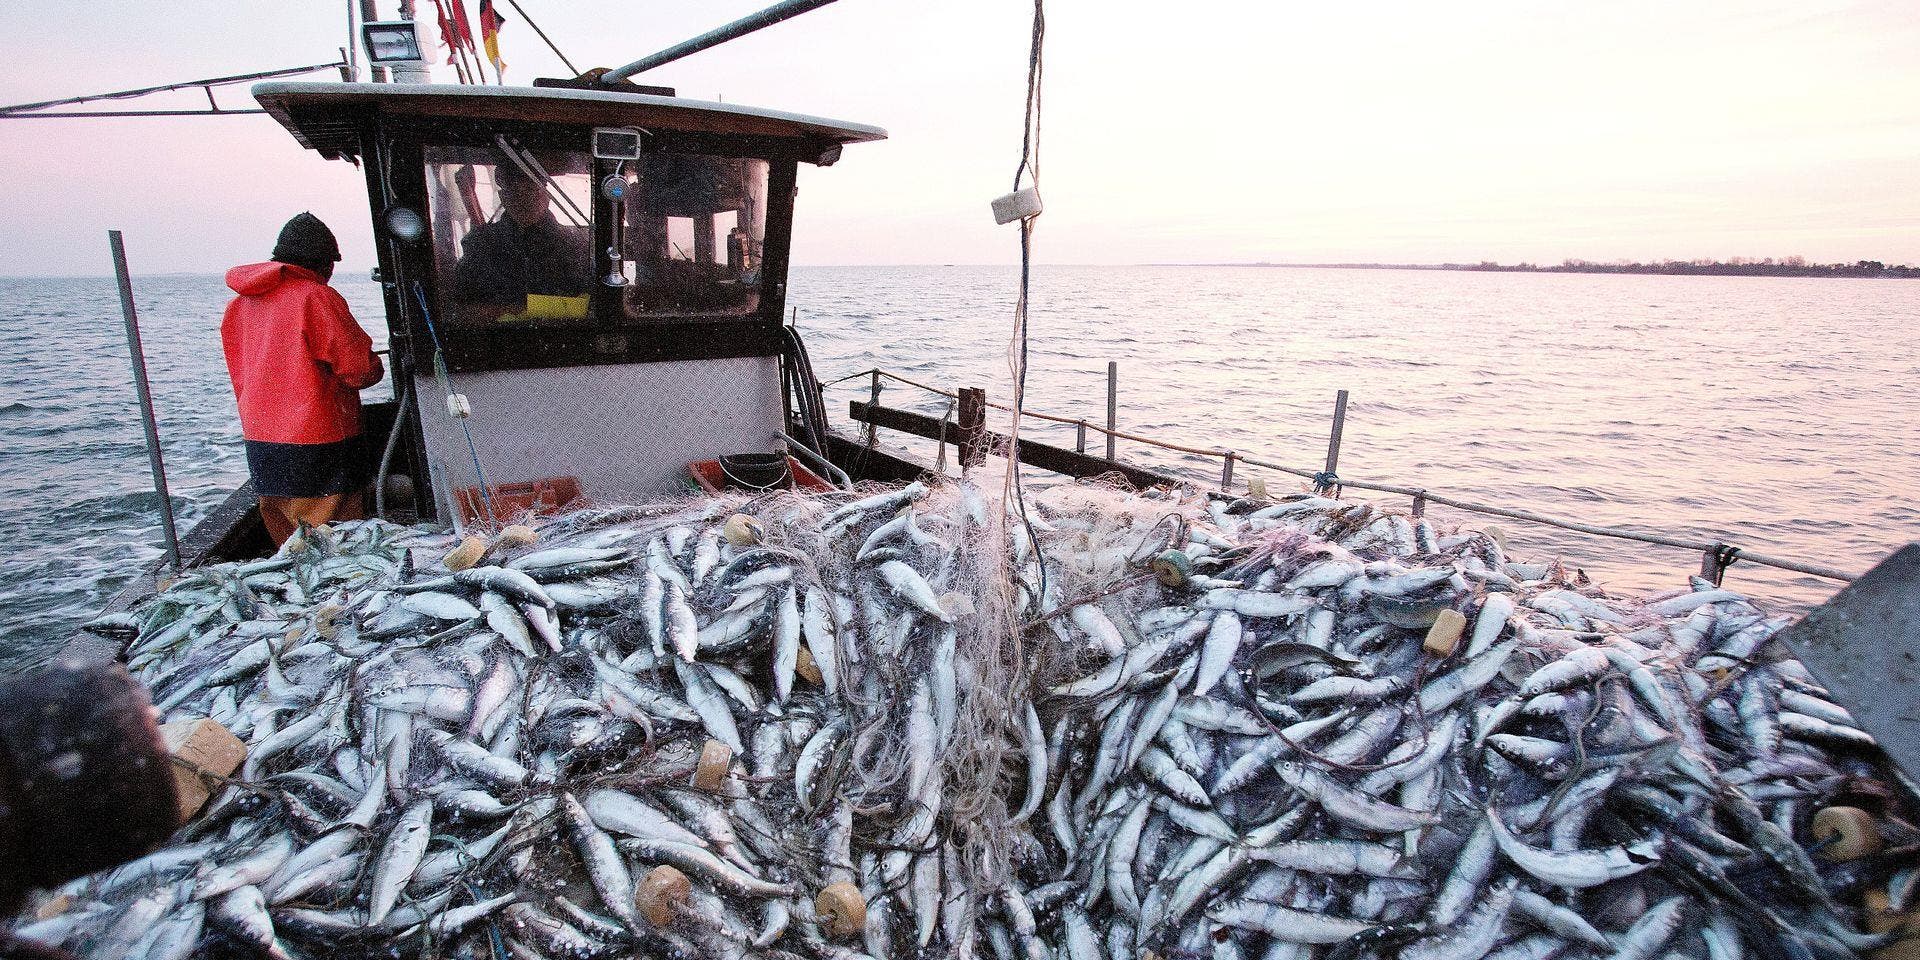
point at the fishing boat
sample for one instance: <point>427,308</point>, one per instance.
<point>656,360</point>
<point>664,367</point>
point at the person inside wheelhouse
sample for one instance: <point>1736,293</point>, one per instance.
<point>524,251</point>
<point>681,236</point>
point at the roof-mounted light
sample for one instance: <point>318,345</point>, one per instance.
<point>392,41</point>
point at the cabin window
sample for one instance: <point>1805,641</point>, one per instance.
<point>512,233</point>
<point>694,230</point>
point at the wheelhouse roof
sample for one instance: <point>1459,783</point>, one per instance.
<point>327,117</point>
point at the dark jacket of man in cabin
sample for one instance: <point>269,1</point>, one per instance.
<point>298,363</point>
<point>523,251</point>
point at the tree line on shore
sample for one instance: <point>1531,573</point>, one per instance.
<point>1736,267</point>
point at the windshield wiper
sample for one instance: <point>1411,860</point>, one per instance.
<point>530,166</point>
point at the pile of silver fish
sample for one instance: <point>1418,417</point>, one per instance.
<point>909,724</point>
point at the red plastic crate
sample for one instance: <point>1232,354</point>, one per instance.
<point>514,500</point>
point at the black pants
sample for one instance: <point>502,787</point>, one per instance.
<point>306,469</point>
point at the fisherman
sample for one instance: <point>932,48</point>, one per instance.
<point>521,252</point>
<point>298,361</point>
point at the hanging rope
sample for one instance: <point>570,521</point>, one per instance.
<point>446,383</point>
<point>1012,494</point>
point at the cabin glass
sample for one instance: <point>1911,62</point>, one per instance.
<point>693,236</point>
<point>513,233</point>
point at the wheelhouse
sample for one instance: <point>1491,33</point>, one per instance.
<point>584,287</point>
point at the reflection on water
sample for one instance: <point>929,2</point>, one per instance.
<point>1771,413</point>
<point>78,515</point>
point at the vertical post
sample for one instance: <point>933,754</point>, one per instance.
<point>973,427</point>
<point>1113,404</point>
<point>1420,504</point>
<point>368,13</point>
<point>704,240</point>
<point>1713,564</point>
<point>1226,474</point>
<point>138,355</point>
<point>1080,437</point>
<point>873,403</point>
<point>1333,442</point>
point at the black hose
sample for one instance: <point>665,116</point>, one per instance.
<point>802,391</point>
<point>806,390</point>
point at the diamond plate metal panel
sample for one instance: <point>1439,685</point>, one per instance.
<point>1864,647</point>
<point>625,432</point>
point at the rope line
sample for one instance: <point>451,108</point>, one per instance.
<point>1722,550</point>
<point>1029,167</point>
<point>446,381</point>
<point>1070,421</point>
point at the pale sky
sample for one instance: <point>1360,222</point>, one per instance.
<point>1174,132</point>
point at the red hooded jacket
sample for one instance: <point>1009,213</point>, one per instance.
<point>297,358</point>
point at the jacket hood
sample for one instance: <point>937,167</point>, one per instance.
<point>254,279</point>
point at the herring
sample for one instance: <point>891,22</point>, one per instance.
<point>1268,750</point>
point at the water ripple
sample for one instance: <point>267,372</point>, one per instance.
<point>1775,415</point>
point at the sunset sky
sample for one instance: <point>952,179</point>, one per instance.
<point>1191,132</point>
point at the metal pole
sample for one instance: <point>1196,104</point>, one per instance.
<point>183,85</point>
<point>146,395</point>
<point>102,114</point>
<point>1113,404</point>
<point>784,10</point>
<point>1080,437</point>
<point>1226,474</point>
<point>370,13</point>
<point>349,57</point>
<point>1333,442</point>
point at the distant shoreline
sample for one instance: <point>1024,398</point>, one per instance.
<point>1869,269</point>
<point>1864,269</point>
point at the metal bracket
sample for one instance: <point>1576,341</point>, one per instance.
<point>1715,560</point>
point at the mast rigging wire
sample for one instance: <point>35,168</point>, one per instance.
<point>207,84</point>
<point>543,36</point>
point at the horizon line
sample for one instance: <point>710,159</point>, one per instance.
<point>1318,265</point>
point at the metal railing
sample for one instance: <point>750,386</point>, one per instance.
<point>1715,556</point>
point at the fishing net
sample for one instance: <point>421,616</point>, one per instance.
<point>902,722</point>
